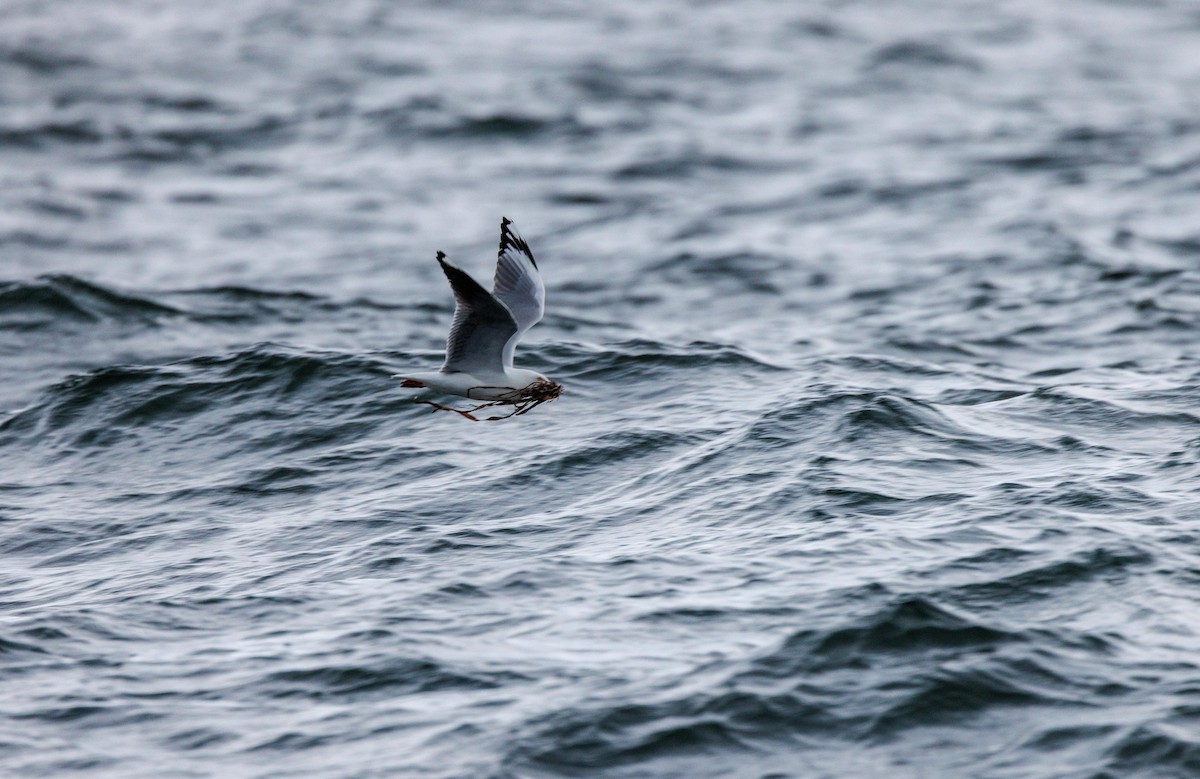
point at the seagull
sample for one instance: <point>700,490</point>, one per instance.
<point>486,329</point>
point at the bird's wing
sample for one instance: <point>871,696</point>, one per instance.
<point>481,328</point>
<point>518,285</point>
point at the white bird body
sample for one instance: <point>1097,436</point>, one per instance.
<point>489,386</point>
<point>487,327</point>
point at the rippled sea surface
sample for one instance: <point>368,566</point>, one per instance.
<point>879,449</point>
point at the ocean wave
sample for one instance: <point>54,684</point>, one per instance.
<point>51,300</point>
<point>620,735</point>
<point>1156,750</point>
<point>920,54</point>
<point>428,118</point>
<point>236,305</point>
<point>847,684</point>
<point>844,415</point>
<point>40,134</point>
<point>743,271</point>
<point>41,57</point>
<point>378,680</point>
<point>648,359</point>
<point>63,301</point>
<point>912,625</point>
<point>201,397</point>
<point>11,647</point>
<point>1046,578</point>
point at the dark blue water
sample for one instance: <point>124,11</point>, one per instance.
<point>879,449</point>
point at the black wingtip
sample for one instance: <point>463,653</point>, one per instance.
<point>447,267</point>
<point>509,238</point>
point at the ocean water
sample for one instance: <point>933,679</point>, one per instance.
<point>879,446</point>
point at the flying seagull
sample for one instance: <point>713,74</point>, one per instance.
<point>485,331</point>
